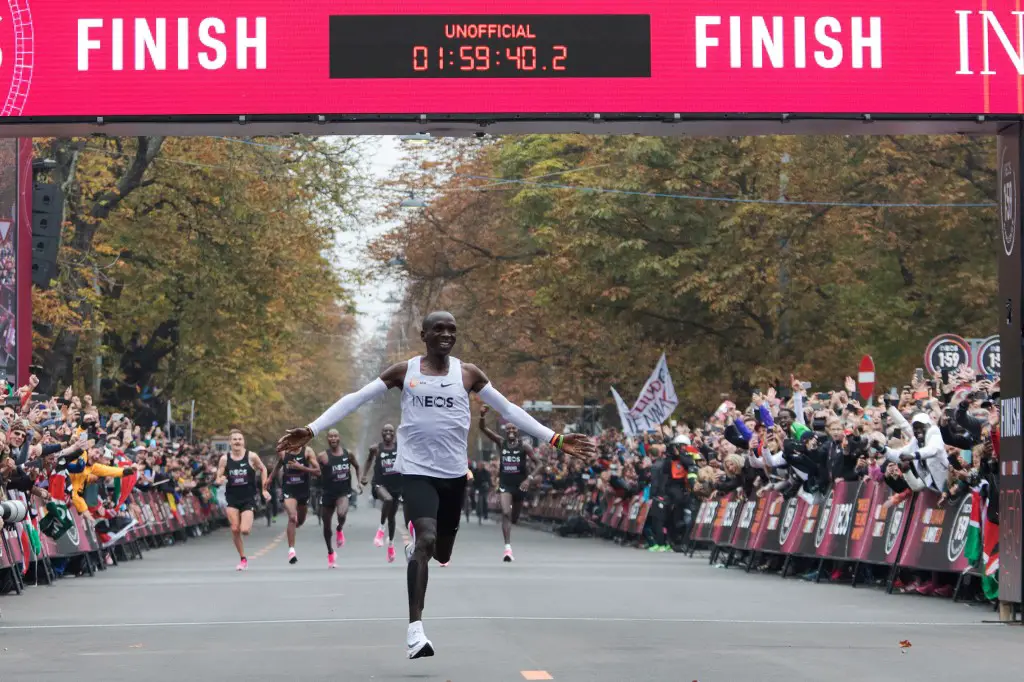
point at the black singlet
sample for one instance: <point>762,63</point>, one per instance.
<point>513,464</point>
<point>241,485</point>
<point>295,482</point>
<point>336,475</point>
<point>385,462</point>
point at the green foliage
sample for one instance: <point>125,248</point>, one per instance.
<point>562,292</point>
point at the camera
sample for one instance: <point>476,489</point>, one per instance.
<point>13,511</point>
<point>818,425</point>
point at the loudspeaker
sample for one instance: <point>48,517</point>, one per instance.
<point>44,260</point>
<point>47,210</point>
<point>46,225</point>
<point>47,199</point>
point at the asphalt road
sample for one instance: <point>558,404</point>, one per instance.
<point>568,610</point>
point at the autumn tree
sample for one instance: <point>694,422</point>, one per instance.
<point>200,268</point>
<point>572,261</point>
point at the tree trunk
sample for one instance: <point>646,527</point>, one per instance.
<point>58,361</point>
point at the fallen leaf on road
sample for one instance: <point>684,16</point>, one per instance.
<point>905,644</point>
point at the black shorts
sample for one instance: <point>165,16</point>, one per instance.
<point>511,485</point>
<point>300,496</point>
<point>242,504</point>
<point>390,482</point>
<point>330,497</point>
<point>435,498</point>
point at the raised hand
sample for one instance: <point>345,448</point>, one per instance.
<point>850,385</point>
<point>579,446</point>
<point>293,440</point>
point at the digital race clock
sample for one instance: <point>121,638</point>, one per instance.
<point>491,46</point>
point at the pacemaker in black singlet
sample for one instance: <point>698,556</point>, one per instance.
<point>384,473</point>
<point>512,471</point>
<point>336,477</point>
<point>240,491</point>
<point>295,483</point>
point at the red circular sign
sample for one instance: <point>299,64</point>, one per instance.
<point>866,378</point>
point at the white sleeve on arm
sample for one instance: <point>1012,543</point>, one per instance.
<point>515,414</point>
<point>348,404</point>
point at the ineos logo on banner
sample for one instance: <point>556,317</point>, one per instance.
<point>788,516</point>
<point>1007,201</point>
<point>826,511</point>
<point>892,531</point>
<point>962,523</point>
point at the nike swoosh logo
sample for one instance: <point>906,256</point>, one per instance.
<point>445,385</point>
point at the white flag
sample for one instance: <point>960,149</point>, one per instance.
<point>628,423</point>
<point>657,401</point>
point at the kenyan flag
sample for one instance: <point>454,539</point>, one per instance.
<point>982,548</point>
<point>31,547</point>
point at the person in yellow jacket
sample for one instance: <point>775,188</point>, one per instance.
<point>87,469</point>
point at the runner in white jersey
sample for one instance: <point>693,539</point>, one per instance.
<point>432,440</point>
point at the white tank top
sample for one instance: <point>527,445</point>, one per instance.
<point>433,434</point>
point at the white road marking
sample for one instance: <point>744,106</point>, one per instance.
<point>570,619</point>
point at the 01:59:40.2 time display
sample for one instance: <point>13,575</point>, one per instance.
<point>485,58</point>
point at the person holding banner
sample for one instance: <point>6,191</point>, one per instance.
<point>236,471</point>
<point>432,449</point>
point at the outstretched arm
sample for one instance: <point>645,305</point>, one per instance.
<point>491,435</point>
<point>574,444</point>
<point>392,377</point>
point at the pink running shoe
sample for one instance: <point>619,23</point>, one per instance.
<point>506,557</point>
<point>445,564</point>
<point>378,540</point>
<point>243,565</point>
<point>391,554</point>
<point>291,556</point>
<point>331,563</point>
<point>339,538</point>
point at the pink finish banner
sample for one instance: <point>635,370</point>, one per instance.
<point>192,58</point>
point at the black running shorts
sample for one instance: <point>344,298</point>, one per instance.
<point>242,504</point>
<point>435,498</point>
<point>300,496</point>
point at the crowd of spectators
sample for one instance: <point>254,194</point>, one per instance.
<point>940,433</point>
<point>63,449</point>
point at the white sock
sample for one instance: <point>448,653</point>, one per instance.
<point>508,548</point>
<point>380,528</point>
<point>291,549</point>
<point>391,542</point>
<point>414,630</point>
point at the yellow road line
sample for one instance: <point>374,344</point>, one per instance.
<point>270,546</point>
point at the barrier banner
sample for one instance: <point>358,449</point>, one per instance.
<point>783,526</point>
<point>751,521</point>
<point>701,530</point>
<point>832,533</point>
<point>937,535</point>
<point>875,538</point>
<point>638,511</point>
<point>725,520</point>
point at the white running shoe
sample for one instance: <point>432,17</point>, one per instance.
<point>416,643</point>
